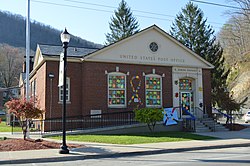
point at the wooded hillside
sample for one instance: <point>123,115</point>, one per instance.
<point>235,39</point>
<point>12,32</point>
<point>13,42</point>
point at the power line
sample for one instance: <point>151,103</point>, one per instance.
<point>73,6</point>
<point>107,11</point>
<point>100,5</point>
<point>100,10</point>
<point>221,5</point>
<point>140,11</point>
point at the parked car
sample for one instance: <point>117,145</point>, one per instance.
<point>247,117</point>
<point>2,112</point>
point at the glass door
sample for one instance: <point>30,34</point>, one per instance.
<point>185,102</point>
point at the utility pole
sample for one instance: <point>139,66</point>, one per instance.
<point>27,48</point>
<point>27,59</point>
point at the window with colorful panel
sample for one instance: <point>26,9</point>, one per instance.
<point>153,91</point>
<point>185,84</point>
<point>117,90</point>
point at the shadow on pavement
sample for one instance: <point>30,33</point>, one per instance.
<point>90,150</point>
<point>79,156</point>
<point>226,161</point>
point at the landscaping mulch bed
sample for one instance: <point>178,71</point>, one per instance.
<point>235,126</point>
<point>31,144</point>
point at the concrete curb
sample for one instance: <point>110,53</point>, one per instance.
<point>76,156</point>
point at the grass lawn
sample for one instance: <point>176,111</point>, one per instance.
<point>5,128</point>
<point>137,138</point>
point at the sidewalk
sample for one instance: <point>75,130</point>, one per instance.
<point>99,150</point>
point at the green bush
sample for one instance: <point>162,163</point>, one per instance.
<point>3,117</point>
<point>149,116</point>
<point>3,138</point>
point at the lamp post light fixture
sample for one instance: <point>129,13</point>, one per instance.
<point>51,75</point>
<point>65,37</point>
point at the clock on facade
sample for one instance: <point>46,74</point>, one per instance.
<point>153,46</point>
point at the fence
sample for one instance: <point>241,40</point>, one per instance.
<point>74,123</point>
<point>81,122</point>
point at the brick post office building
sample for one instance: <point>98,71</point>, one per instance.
<point>148,69</point>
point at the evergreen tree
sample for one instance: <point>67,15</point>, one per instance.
<point>122,25</point>
<point>191,30</point>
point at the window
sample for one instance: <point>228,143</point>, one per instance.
<point>185,84</point>
<point>31,88</point>
<point>153,90</point>
<point>67,91</point>
<point>153,46</point>
<point>34,87</point>
<point>116,90</point>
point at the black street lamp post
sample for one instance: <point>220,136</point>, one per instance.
<point>65,37</point>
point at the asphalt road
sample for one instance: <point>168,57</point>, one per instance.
<point>227,156</point>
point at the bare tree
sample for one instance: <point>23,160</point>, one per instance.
<point>235,34</point>
<point>235,39</point>
<point>244,10</point>
<point>11,59</point>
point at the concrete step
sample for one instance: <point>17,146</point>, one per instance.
<point>201,127</point>
<point>210,122</point>
<point>208,125</point>
<point>221,128</point>
<point>202,130</point>
<point>213,124</point>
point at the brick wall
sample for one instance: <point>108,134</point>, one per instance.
<point>40,86</point>
<point>74,105</point>
<point>95,89</point>
<point>207,90</point>
<point>88,87</point>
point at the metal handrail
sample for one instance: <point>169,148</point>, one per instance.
<point>222,113</point>
<point>192,117</point>
<point>198,113</point>
<point>229,117</point>
<point>188,121</point>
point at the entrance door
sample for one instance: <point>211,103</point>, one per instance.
<point>186,99</point>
